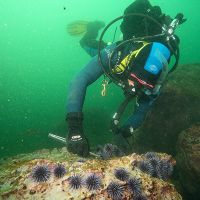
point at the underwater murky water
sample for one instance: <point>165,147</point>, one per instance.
<point>38,58</point>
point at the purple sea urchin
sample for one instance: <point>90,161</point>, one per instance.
<point>41,173</point>
<point>75,181</point>
<point>108,147</point>
<point>103,154</point>
<point>59,171</point>
<point>121,174</point>
<point>146,167</point>
<point>155,162</point>
<point>164,169</point>
<point>109,150</point>
<point>93,182</point>
<point>135,186</point>
<point>151,155</point>
<point>115,191</point>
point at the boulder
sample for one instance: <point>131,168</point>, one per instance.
<point>176,109</point>
<point>36,176</point>
<point>188,161</point>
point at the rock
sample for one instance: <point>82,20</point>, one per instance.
<point>25,187</point>
<point>188,161</point>
<point>175,110</point>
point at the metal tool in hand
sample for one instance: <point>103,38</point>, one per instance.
<point>63,140</point>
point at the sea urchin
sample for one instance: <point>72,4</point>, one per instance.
<point>146,167</point>
<point>59,171</point>
<point>75,181</point>
<point>150,155</point>
<point>164,169</point>
<point>115,191</point>
<point>135,186</point>
<point>41,173</point>
<point>121,174</point>
<point>93,182</point>
<point>107,151</point>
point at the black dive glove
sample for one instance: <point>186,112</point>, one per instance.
<point>76,141</point>
<point>121,142</point>
<point>120,138</point>
<point>78,144</point>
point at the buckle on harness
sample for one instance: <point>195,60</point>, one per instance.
<point>104,84</point>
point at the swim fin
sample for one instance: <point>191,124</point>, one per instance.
<point>77,28</point>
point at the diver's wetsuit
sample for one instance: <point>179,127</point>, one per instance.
<point>89,74</point>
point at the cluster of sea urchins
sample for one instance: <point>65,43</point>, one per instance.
<point>42,173</point>
<point>155,166</point>
<point>116,190</point>
<point>91,182</point>
<point>109,151</point>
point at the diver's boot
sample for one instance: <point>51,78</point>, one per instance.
<point>76,140</point>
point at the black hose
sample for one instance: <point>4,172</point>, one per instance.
<point>176,53</point>
<point>114,34</point>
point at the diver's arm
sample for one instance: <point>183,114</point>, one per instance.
<point>78,86</point>
<point>89,42</point>
<point>91,46</point>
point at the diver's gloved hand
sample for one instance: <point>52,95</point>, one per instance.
<point>76,140</point>
<point>78,144</point>
<point>121,142</point>
<point>126,131</point>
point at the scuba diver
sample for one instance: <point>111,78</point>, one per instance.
<point>138,64</point>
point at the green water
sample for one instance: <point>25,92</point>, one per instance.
<point>38,59</point>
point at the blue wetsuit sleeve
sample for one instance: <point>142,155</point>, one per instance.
<point>78,86</point>
<point>91,51</point>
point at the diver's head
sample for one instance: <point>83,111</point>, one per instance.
<point>140,26</point>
